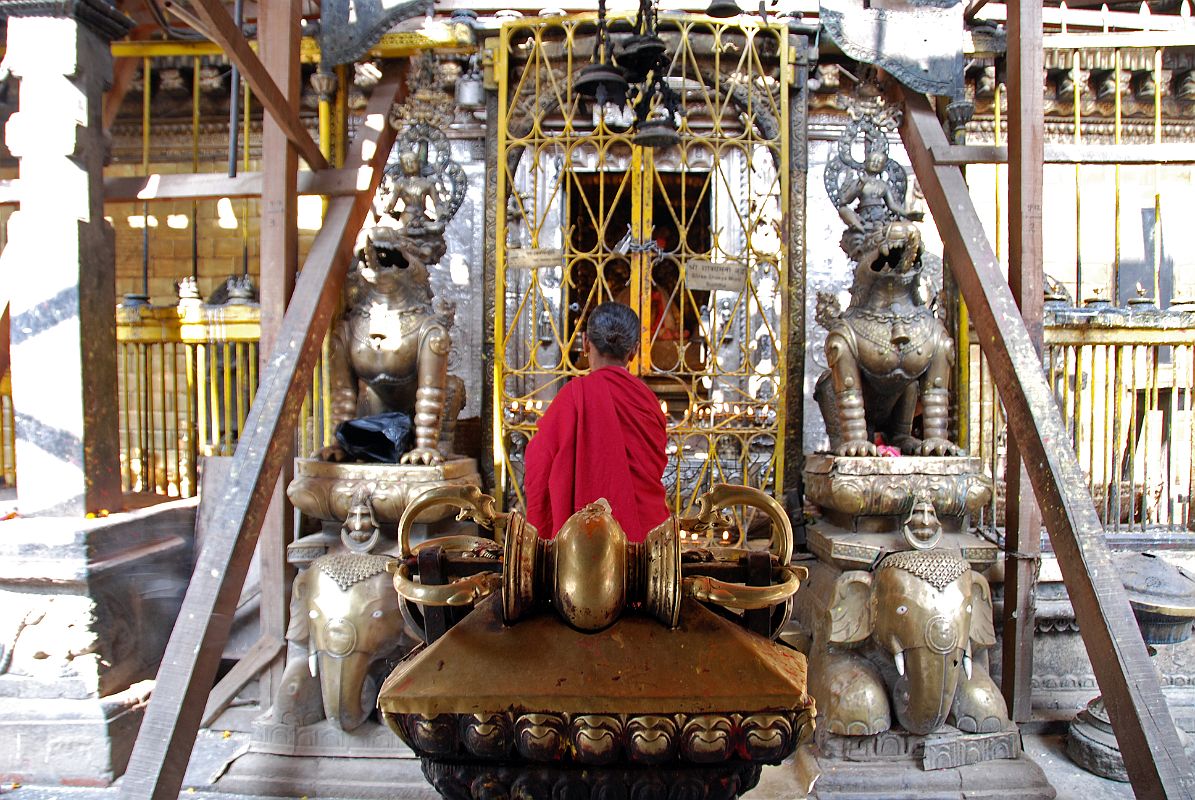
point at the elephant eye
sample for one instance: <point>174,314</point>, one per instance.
<point>902,610</point>
<point>377,614</point>
<point>313,614</point>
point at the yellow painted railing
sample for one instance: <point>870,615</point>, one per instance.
<point>8,461</point>
<point>187,376</point>
<point>1125,384</point>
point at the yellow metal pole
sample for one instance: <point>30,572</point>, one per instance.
<point>195,164</point>
<point>341,116</point>
<point>784,257</point>
<point>1117,110</point>
<point>640,271</point>
<point>497,422</point>
<point>146,75</point>
<point>245,128</point>
<point>1078,94</point>
<point>1158,88</point>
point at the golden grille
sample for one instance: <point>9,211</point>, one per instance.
<point>691,236</point>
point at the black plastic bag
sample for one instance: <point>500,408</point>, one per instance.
<point>382,437</point>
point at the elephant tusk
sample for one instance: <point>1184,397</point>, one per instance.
<point>313,664</point>
<point>899,658</point>
<point>967,666</point>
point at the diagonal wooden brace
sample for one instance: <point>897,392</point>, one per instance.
<point>1153,756</point>
<point>189,666</point>
<point>224,30</point>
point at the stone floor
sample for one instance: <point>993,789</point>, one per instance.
<point>214,750</point>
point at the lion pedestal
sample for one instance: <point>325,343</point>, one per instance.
<point>897,615</point>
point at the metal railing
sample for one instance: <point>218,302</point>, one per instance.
<point>186,377</point>
<point>1125,386</point>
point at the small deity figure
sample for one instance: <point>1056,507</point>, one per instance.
<point>875,200</point>
<point>415,191</point>
<point>874,195</point>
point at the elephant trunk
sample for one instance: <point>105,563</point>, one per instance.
<point>924,693</point>
<point>343,681</point>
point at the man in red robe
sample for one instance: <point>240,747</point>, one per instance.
<point>603,436</point>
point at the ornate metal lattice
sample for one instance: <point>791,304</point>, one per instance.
<point>690,235</point>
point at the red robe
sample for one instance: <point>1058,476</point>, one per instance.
<point>603,436</point>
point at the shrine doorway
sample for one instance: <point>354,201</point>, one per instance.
<point>699,237</point>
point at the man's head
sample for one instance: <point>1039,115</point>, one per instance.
<point>612,334</point>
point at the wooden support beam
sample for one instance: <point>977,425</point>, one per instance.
<point>224,30</point>
<point>1167,153</point>
<point>1122,40</point>
<point>973,7</point>
<point>1022,517</point>
<point>188,668</point>
<point>1153,756</point>
<point>1097,20</point>
<point>260,656</point>
<point>278,35</point>
<point>122,78</point>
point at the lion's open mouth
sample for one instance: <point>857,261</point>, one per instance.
<point>391,257</point>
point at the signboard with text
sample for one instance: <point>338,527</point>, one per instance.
<point>720,276</point>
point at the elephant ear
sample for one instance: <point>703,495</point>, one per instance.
<point>983,629</point>
<point>298,629</point>
<point>850,608</point>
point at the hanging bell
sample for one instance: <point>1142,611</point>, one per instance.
<point>470,92</point>
<point>640,55</point>
<point>656,133</point>
<point>722,9</point>
<point>603,82</point>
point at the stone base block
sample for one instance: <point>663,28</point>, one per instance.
<point>70,742</point>
<point>1092,744</point>
<point>274,775</point>
<point>325,740</point>
<point>904,779</point>
<point>945,748</point>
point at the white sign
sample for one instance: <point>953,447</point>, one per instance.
<point>721,276</point>
<point>534,257</point>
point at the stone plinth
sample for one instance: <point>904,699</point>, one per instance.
<point>1063,681</point>
<point>902,778</point>
<point>324,490</point>
<point>321,760</point>
<point>86,607</point>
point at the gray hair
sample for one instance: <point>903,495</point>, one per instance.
<point>613,328</point>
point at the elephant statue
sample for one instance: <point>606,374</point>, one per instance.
<point>345,611</point>
<point>910,636</point>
